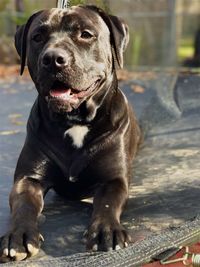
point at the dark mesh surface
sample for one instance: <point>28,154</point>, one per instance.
<point>166,180</point>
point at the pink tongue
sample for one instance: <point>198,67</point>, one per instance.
<point>61,92</point>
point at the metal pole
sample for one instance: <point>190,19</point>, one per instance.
<point>62,4</point>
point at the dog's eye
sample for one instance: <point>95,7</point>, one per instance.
<point>86,35</point>
<point>37,38</point>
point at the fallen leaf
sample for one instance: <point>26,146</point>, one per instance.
<point>137,89</point>
<point>14,119</point>
<point>16,122</point>
<point>14,115</point>
<point>9,132</point>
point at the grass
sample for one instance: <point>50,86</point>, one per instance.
<point>185,49</point>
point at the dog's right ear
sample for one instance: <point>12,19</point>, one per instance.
<point>21,40</point>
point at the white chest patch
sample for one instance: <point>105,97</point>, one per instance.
<point>77,133</point>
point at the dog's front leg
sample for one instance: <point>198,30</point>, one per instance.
<point>23,238</point>
<point>105,231</point>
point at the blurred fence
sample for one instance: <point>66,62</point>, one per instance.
<point>162,31</point>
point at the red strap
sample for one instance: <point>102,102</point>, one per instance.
<point>192,249</point>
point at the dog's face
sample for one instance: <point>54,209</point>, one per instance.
<point>71,54</point>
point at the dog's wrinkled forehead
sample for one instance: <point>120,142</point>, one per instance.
<point>72,19</point>
<point>108,32</point>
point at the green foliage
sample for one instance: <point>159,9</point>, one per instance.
<point>20,18</point>
<point>3,4</point>
<point>185,49</point>
<point>100,3</point>
<point>76,2</point>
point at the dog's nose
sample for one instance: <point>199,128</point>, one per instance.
<point>54,58</point>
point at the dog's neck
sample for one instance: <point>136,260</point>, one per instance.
<point>89,111</point>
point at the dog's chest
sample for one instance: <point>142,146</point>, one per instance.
<point>77,134</point>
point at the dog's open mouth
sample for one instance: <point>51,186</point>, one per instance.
<point>69,98</point>
<point>61,91</point>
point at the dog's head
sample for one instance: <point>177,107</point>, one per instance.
<point>71,54</point>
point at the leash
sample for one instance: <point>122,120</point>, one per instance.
<point>63,4</point>
<point>186,256</point>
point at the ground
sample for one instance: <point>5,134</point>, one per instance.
<point>165,186</point>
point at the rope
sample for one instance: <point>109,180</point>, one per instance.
<point>133,256</point>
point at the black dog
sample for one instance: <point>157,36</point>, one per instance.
<point>81,133</point>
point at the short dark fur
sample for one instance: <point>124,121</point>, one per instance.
<point>101,166</point>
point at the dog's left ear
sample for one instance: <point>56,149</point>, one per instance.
<point>119,38</point>
<point>119,35</point>
<point>21,40</point>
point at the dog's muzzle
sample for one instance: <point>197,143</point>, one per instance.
<point>63,98</point>
<point>61,95</point>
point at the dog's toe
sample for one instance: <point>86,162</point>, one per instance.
<point>12,248</point>
<point>18,245</point>
<point>121,238</point>
<point>106,237</point>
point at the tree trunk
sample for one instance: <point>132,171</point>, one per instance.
<point>19,5</point>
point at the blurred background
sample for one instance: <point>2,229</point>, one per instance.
<point>164,33</point>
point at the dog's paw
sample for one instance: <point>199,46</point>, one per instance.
<point>19,244</point>
<point>104,236</point>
